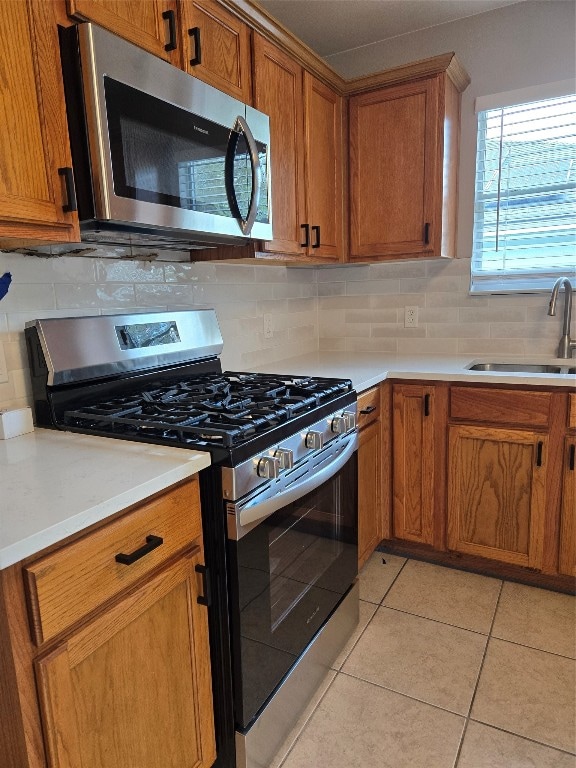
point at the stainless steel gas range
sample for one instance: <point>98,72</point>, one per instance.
<point>279,503</point>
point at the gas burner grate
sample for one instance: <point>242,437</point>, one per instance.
<point>207,409</point>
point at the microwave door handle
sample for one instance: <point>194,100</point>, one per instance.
<point>247,223</point>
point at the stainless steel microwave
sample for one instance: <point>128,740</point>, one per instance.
<point>159,157</point>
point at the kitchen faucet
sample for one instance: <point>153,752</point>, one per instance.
<point>566,345</point>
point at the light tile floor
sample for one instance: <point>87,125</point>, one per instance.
<point>447,669</point>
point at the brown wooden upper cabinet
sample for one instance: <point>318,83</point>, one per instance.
<point>216,47</point>
<point>403,169</point>
<point>36,202</point>
<point>149,24</point>
<point>306,156</point>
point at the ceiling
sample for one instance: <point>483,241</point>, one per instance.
<point>333,26</point>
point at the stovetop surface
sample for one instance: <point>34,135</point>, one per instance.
<point>233,415</point>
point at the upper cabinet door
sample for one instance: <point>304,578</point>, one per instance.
<point>217,47</point>
<point>324,168</point>
<point>149,24</point>
<point>278,93</point>
<point>35,163</point>
<point>396,146</point>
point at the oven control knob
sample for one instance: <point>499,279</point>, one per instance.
<point>350,418</point>
<point>314,440</point>
<point>339,425</point>
<point>285,456</point>
<point>268,466</point>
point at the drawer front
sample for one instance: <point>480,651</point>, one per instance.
<point>500,406</point>
<point>368,407</point>
<point>69,583</point>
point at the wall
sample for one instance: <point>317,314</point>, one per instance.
<point>513,47</point>
<point>241,294</point>
<point>362,308</point>
<point>337,308</point>
<point>529,43</point>
<point>343,308</point>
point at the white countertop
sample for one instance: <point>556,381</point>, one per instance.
<point>54,484</point>
<point>366,369</point>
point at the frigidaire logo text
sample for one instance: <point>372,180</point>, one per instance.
<point>200,129</point>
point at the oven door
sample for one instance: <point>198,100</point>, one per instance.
<point>288,574</point>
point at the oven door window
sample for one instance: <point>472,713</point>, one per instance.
<point>163,154</point>
<point>293,569</point>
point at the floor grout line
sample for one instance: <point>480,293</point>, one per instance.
<point>518,736</point>
<point>436,621</point>
<point>485,650</point>
<point>532,648</point>
<point>405,695</point>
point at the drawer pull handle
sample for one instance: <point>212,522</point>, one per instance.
<point>539,454</point>
<point>571,457</point>
<point>316,230</point>
<point>169,16</point>
<point>427,404</point>
<point>368,409</point>
<point>152,542</point>
<point>206,598</point>
<point>195,35</point>
<point>71,204</point>
<point>306,228</point>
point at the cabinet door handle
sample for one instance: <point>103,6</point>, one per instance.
<point>152,542</point>
<point>571,453</point>
<point>206,598</point>
<point>306,228</point>
<point>170,17</point>
<point>316,230</point>
<point>197,58</point>
<point>368,409</point>
<point>427,404</point>
<point>539,453</point>
<point>71,204</point>
<point>427,233</point>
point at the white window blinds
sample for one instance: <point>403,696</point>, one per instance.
<point>525,196</point>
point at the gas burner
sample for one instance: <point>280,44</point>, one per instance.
<point>207,409</point>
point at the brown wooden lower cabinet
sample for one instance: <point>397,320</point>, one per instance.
<point>477,481</point>
<point>133,686</point>
<point>369,474</point>
<point>127,685</point>
<point>497,493</point>
<point>417,415</point>
<point>567,559</point>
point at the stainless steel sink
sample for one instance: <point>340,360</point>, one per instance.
<point>522,368</point>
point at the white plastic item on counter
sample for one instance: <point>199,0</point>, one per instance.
<point>14,423</point>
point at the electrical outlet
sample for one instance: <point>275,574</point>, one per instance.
<point>3,366</point>
<point>268,332</point>
<point>410,317</point>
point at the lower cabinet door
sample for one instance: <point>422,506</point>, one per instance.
<point>369,507</point>
<point>133,687</point>
<point>568,520</point>
<point>496,493</point>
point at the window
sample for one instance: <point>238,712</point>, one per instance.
<point>525,196</point>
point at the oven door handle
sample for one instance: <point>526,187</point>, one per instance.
<point>258,512</point>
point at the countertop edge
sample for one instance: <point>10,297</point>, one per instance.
<point>61,530</point>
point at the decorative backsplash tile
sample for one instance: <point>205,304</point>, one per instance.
<point>342,308</point>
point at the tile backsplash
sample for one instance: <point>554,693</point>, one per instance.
<point>329,308</point>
